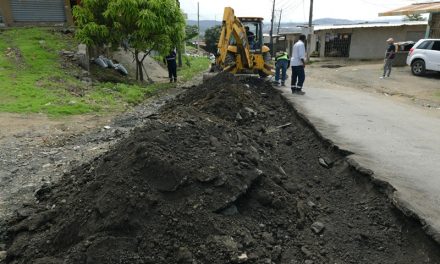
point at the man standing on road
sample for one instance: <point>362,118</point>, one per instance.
<point>281,64</point>
<point>170,60</point>
<point>389,58</point>
<point>298,63</point>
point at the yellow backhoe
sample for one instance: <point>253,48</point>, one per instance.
<point>240,47</point>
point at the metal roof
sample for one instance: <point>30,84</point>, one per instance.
<point>419,8</point>
<point>371,25</point>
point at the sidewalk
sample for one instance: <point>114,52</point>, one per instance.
<point>398,141</point>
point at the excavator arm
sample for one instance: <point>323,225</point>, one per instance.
<point>232,27</point>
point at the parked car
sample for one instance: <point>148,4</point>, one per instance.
<point>424,56</point>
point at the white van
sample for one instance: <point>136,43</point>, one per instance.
<point>424,56</point>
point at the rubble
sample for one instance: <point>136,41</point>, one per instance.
<point>194,184</point>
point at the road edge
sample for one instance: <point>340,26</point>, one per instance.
<point>387,188</point>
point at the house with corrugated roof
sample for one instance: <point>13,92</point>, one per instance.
<point>363,41</point>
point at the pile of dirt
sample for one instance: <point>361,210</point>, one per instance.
<point>226,173</point>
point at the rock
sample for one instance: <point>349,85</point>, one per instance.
<point>227,242</point>
<point>317,227</point>
<point>308,261</point>
<point>306,251</point>
<point>238,117</point>
<point>251,111</point>
<point>42,43</point>
<point>290,187</point>
<point>231,210</point>
<point>311,204</point>
<point>267,237</point>
<point>323,163</point>
<point>276,252</point>
<point>184,255</point>
<point>242,258</point>
<point>107,127</point>
<point>214,142</point>
<point>43,191</point>
<point>206,177</point>
<point>2,255</point>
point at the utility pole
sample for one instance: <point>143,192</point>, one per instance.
<point>309,37</point>
<point>279,22</point>
<point>271,29</point>
<point>179,49</point>
<point>198,27</point>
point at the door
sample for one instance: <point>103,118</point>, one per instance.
<point>337,45</point>
<point>38,10</point>
<point>435,55</point>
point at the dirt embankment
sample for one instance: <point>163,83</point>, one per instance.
<point>227,173</point>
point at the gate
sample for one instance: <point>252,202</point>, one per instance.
<point>38,10</point>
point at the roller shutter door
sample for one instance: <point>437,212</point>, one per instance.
<point>38,10</point>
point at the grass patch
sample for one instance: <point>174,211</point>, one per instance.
<point>192,66</point>
<point>34,78</point>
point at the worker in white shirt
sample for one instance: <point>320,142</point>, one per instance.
<point>298,63</point>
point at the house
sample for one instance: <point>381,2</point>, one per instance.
<point>363,41</point>
<point>285,40</point>
<point>432,8</point>
<point>36,12</point>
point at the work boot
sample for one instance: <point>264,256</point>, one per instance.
<point>171,80</point>
<point>175,79</point>
<point>300,91</point>
<point>293,88</point>
<point>283,84</point>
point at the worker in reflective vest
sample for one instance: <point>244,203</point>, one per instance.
<point>282,64</point>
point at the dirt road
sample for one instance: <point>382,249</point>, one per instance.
<point>402,85</point>
<point>226,173</point>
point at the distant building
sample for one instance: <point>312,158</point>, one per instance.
<point>355,41</point>
<point>363,41</point>
<point>36,12</point>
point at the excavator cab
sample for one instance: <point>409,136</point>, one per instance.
<point>240,47</point>
<point>254,32</point>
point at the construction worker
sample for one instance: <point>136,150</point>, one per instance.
<point>282,63</point>
<point>170,60</point>
<point>250,36</point>
<point>298,63</point>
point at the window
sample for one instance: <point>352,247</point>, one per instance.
<point>436,45</point>
<point>425,45</point>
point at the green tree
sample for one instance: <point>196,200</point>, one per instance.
<point>212,36</point>
<point>143,25</point>
<point>191,32</point>
<point>415,17</point>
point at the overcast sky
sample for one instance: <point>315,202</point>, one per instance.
<point>293,10</point>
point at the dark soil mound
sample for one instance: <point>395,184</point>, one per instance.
<point>227,173</point>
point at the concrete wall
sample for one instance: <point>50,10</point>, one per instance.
<point>6,13</point>
<point>370,43</point>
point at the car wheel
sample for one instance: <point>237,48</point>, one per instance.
<point>418,67</point>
